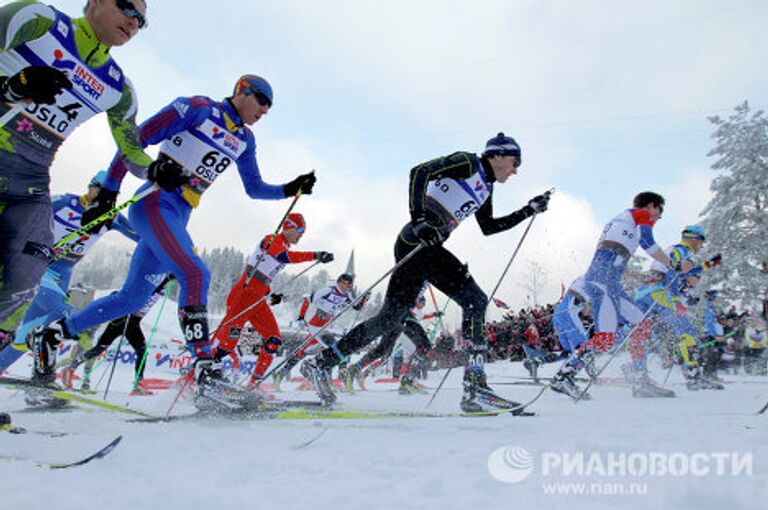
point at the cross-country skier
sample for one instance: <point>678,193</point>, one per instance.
<point>411,328</point>
<point>266,261</point>
<point>55,73</point>
<point>662,300</point>
<point>199,139</point>
<point>327,301</point>
<point>442,193</point>
<point>50,302</point>
<point>602,282</point>
<point>129,327</point>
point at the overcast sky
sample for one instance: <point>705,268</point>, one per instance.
<point>606,98</point>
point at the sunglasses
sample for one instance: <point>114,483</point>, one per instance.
<point>129,10</point>
<point>262,99</point>
<point>300,230</point>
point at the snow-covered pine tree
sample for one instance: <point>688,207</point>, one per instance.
<point>736,219</point>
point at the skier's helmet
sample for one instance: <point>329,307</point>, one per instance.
<point>502,145</point>
<point>694,232</point>
<point>346,277</point>
<point>256,85</point>
<point>98,180</point>
<point>295,220</point>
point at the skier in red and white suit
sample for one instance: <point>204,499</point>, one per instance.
<point>328,301</point>
<point>261,268</point>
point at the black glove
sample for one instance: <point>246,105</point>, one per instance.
<point>167,174</point>
<point>676,265</point>
<point>275,298</point>
<point>303,183</point>
<point>324,256</point>
<point>103,203</point>
<point>361,302</point>
<point>427,233</point>
<point>39,84</point>
<point>539,203</point>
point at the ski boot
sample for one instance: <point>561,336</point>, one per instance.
<point>588,357</point>
<point>278,377</point>
<point>532,366</point>
<point>409,386</point>
<point>346,380</point>
<point>563,382</point>
<point>318,377</point>
<point>645,387</point>
<point>68,373</point>
<point>141,389</point>
<point>216,394</point>
<point>695,380</point>
<point>352,373</point>
<point>478,397</point>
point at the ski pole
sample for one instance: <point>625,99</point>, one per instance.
<point>152,335</point>
<point>256,303</point>
<point>65,244</point>
<point>519,244</point>
<point>117,355</point>
<point>341,312</point>
<point>490,299</point>
<point>258,261</point>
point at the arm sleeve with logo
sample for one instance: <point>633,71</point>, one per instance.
<point>157,128</point>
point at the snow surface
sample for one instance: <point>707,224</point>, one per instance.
<point>407,463</point>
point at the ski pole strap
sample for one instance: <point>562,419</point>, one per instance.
<point>65,245</point>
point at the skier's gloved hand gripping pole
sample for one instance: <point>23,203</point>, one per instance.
<point>349,305</point>
<point>67,243</point>
<point>536,210</point>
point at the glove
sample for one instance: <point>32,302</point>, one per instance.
<point>361,302</point>
<point>676,265</point>
<point>167,174</point>
<point>303,183</point>
<point>324,256</point>
<point>103,203</point>
<point>39,84</point>
<point>714,261</point>
<point>539,203</point>
<point>275,298</point>
<point>427,233</point>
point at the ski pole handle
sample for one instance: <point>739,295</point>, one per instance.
<point>65,245</point>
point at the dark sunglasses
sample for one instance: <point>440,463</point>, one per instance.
<point>129,10</point>
<point>262,99</point>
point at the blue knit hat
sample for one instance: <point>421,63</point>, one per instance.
<point>501,145</point>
